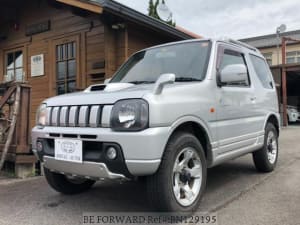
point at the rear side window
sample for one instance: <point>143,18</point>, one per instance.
<point>263,72</point>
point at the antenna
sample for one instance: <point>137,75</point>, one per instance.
<point>164,12</point>
<point>281,29</point>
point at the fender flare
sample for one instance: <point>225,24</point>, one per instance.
<point>203,125</point>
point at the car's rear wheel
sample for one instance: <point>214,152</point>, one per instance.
<point>265,159</point>
<point>180,181</point>
<point>67,185</point>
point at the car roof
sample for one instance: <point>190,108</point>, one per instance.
<point>248,48</point>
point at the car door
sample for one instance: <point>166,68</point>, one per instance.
<point>235,105</point>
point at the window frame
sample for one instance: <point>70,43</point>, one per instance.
<point>64,57</point>
<point>220,53</point>
<point>81,80</point>
<point>14,69</point>
<point>295,57</point>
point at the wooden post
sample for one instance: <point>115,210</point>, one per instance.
<point>12,127</point>
<point>23,126</point>
<point>16,146</point>
<point>283,83</point>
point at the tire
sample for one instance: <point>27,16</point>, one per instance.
<point>265,159</point>
<point>67,186</point>
<point>184,155</point>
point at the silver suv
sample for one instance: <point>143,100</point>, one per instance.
<point>169,113</point>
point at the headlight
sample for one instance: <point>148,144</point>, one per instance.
<point>130,115</point>
<point>293,110</point>
<point>41,115</point>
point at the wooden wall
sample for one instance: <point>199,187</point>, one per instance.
<point>140,38</point>
<point>121,44</point>
<point>87,31</point>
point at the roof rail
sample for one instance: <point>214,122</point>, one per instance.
<point>242,44</point>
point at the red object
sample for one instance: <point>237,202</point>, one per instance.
<point>194,35</point>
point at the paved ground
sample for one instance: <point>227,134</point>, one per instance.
<point>235,191</point>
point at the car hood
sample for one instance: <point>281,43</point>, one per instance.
<point>108,94</point>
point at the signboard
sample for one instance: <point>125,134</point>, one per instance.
<point>37,65</point>
<point>38,28</point>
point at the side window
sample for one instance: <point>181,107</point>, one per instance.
<point>263,72</point>
<point>268,57</point>
<point>231,57</point>
<point>14,66</point>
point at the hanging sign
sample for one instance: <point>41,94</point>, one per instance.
<point>37,65</point>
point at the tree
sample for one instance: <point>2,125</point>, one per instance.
<point>152,11</point>
<point>151,8</point>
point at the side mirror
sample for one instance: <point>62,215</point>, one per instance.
<point>236,73</point>
<point>167,78</point>
<point>107,81</point>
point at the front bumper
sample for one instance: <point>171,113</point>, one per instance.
<point>294,117</point>
<point>90,170</point>
<point>142,151</point>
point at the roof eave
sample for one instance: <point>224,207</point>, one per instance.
<point>135,16</point>
<point>86,5</point>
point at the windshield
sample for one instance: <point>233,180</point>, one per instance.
<point>188,61</point>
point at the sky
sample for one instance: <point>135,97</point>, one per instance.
<point>230,18</point>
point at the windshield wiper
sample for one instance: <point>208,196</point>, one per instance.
<point>141,82</point>
<point>186,79</point>
<point>178,79</point>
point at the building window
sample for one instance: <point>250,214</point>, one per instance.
<point>66,68</point>
<point>14,66</point>
<point>268,57</point>
<point>293,57</point>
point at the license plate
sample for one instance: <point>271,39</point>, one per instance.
<point>68,150</point>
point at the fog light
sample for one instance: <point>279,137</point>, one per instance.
<point>111,153</point>
<point>39,146</point>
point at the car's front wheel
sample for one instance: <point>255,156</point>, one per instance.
<point>179,183</point>
<point>67,185</point>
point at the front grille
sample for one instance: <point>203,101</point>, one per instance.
<point>74,116</point>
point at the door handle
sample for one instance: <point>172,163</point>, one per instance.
<point>253,99</point>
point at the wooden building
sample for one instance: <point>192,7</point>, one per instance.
<point>61,46</point>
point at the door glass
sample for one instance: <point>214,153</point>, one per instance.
<point>71,86</point>
<point>231,57</point>
<point>61,70</point>
<point>71,50</point>
<point>60,89</point>
<point>71,69</point>
<point>66,68</point>
<point>262,71</point>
